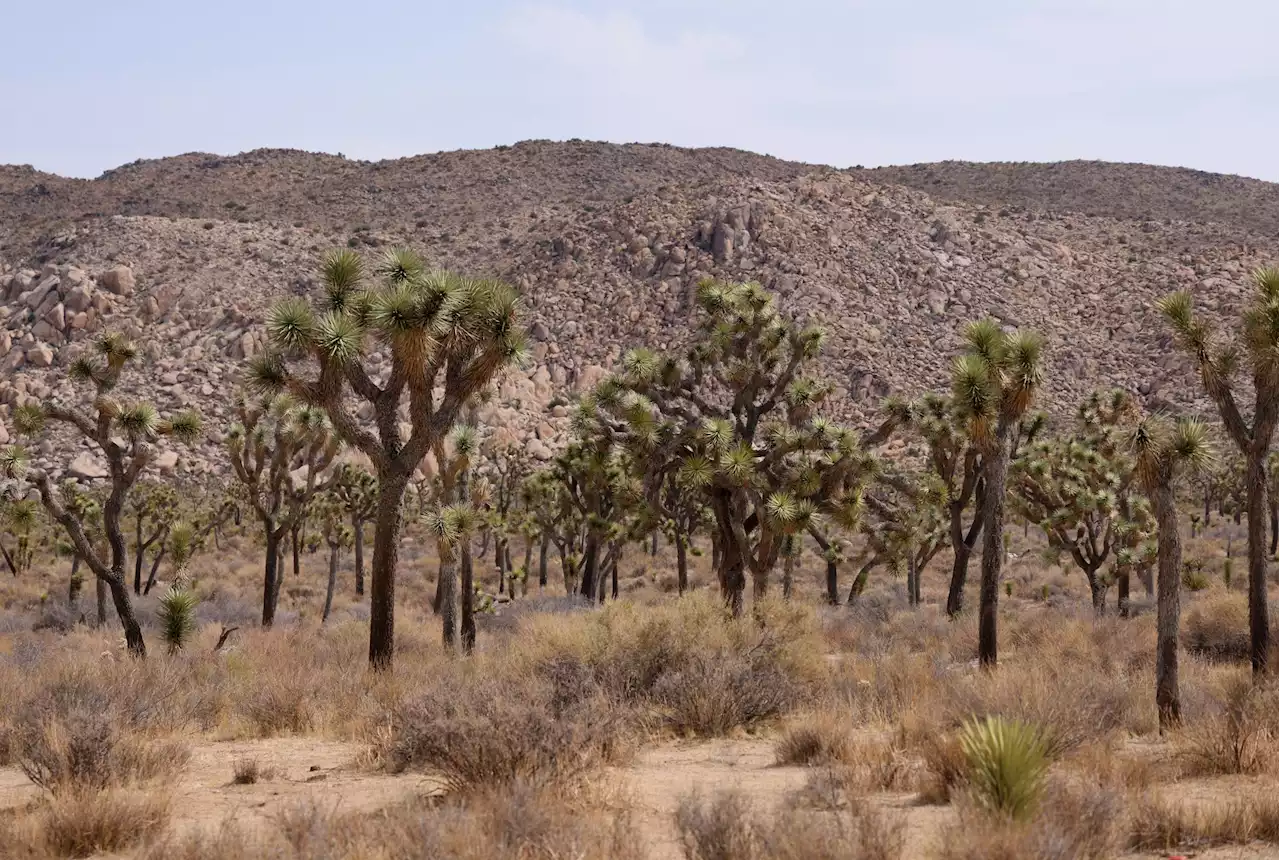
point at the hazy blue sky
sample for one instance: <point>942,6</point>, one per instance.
<point>86,85</point>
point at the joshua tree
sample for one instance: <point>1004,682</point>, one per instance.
<point>906,525</point>
<point>358,492</point>
<point>558,521</point>
<point>1219,365</point>
<point>737,420</point>
<point>505,470</point>
<point>125,435</point>
<point>994,383</point>
<point>153,505</point>
<point>1080,490</point>
<point>330,513</point>
<point>439,330</point>
<point>1162,453</point>
<point>454,523</point>
<point>682,515</point>
<point>178,617</point>
<point>280,452</point>
<point>956,461</point>
<point>19,517</point>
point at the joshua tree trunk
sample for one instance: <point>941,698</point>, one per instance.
<point>1122,593</point>
<point>1097,590</point>
<point>653,544</point>
<point>962,544</point>
<point>860,581</point>
<point>500,562</point>
<point>74,583</point>
<point>333,580</point>
<point>295,545</point>
<point>468,631</point>
<point>100,592</point>
<point>544,546</point>
<point>613,579</point>
<point>733,577</point>
<point>788,573</point>
<point>357,533</point>
<point>1167,606</point>
<point>270,577</point>
<point>1256,499</point>
<point>913,584</point>
<point>682,564</point>
<point>138,553</point>
<point>589,586</point>
<point>155,569</point>
<point>447,598</point>
<point>386,551</point>
<point>129,621</point>
<point>997,470</point>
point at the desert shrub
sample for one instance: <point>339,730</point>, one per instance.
<point>1075,822</point>
<point>1007,761</point>
<point>726,827</point>
<point>485,731</point>
<point>1217,627</point>
<point>177,616</point>
<point>85,727</point>
<point>85,822</point>
<point>1161,824</point>
<point>517,820</point>
<point>945,766</point>
<point>713,694</point>
<point>815,739</point>
<point>1193,576</point>
<point>684,664</point>
<point>248,771</point>
<point>275,703</point>
<point>1237,735</point>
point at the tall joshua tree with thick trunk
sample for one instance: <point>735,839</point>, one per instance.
<point>1219,366</point>
<point>994,383</point>
<point>446,337</point>
<point>125,434</point>
<point>1162,454</point>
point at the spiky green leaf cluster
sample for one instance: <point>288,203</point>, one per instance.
<point>1007,763</point>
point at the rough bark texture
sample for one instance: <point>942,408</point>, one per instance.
<point>1122,593</point>
<point>270,578</point>
<point>997,470</point>
<point>682,564</point>
<point>544,547</point>
<point>357,531</point>
<point>1259,628</point>
<point>447,599</point>
<point>468,626</point>
<point>1168,583</point>
<point>333,580</point>
<point>386,552</point>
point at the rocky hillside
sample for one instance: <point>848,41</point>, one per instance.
<point>1130,191</point>
<point>607,243</point>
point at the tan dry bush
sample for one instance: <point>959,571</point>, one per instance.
<point>1074,822</point>
<point>83,822</point>
<point>249,771</point>
<point>1162,824</point>
<point>517,820</point>
<point>727,827</point>
<point>684,665</point>
<point>479,731</point>
<point>814,739</point>
<point>1216,626</point>
<point>1237,735</point>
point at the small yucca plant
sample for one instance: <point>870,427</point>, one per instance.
<point>178,617</point>
<point>1007,761</point>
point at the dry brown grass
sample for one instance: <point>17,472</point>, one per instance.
<point>249,771</point>
<point>1162,824</point>
<point>1237,735</point>
<point>83,822</point>
<point>517,820</point>
<point>727,827</point>
<point>815,739</point>
<point>1216,626</point>
<point>1072,822</point>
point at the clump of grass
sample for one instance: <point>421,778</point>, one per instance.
<point>814,740</point>
<point>516,820</point>
<point>1007,762</point>
<point>727,827</point>
<point>1217,627</point>
<point>248,771</point>
<point>1193,576</point>
<point>479,732</point>
<point>85,822</point>
<point>1161,824</point>
<point>1239,733</point>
